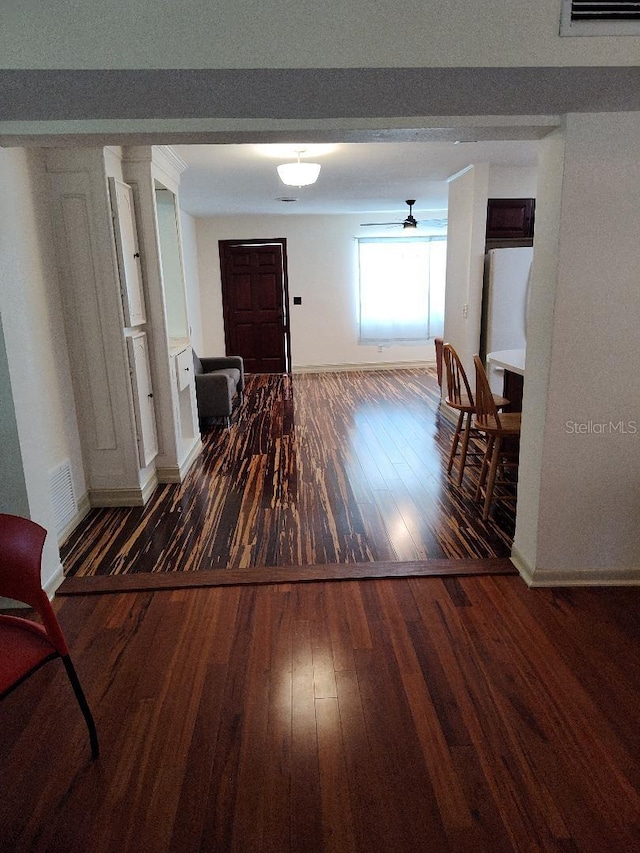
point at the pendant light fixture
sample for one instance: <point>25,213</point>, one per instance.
<point>299,174</point>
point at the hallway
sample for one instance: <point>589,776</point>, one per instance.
<point>317,469</point>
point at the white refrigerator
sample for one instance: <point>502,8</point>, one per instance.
<point>505,301</point>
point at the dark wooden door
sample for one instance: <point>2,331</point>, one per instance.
<point>255,303</point>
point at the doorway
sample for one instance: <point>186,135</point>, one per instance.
<point>255,303</point>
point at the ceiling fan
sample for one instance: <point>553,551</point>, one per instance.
<point>410,221</point>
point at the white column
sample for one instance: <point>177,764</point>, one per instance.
<point>579,497</point>
<point>465,260</point>
<point>26,392</point>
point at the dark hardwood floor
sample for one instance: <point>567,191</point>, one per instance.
<point>450,714</point>
<point>395,716</point>
<point>328,469</point>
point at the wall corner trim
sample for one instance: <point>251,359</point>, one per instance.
<point>177,473</point>
<point>574,577</point>
<point>523,567</point>
<point>54,582</point>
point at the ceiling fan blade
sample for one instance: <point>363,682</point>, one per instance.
<point>436,223</point>
<point>410,221</point>
<point>364,224</point>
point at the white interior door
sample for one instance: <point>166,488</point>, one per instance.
<point>143,398</point>
<point>128,252</point>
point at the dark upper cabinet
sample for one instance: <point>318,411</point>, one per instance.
<point>510,218</point>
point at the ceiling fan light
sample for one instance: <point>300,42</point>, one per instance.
<point>299,174</point>
<point>410,223</point>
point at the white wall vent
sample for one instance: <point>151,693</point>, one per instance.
<point>603,18</point>
<point>62,496</point>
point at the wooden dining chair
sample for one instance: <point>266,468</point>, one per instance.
<point>501,430</point>
<point>460,398</point>
<point>26,645</point>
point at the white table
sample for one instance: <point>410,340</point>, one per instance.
<point>508,359</point>
<point>511,361</point>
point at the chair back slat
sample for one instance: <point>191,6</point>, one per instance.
<point>25,644</point>
<point>486,410</point>
<point>457,382</point>
<point>21,544</point>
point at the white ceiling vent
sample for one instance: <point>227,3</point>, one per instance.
<point>62,496</point>
<point>604,18</point>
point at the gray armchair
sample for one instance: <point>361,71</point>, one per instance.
<point>217,382</point>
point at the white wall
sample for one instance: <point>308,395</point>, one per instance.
<point>322,265</point>
<point>585,341</point>
<point>539,344</point>
<point>191,278</point>
<point>35,341</point>
<point>512,181</point>
<point>192,34</point>
<point>468,193</point>
<point>13,494</point>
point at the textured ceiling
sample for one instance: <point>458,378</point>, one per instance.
<point>355,178</point>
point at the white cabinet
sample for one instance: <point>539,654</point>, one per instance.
<point>143,398</point>
<point>90,289</point>
<point>184,368</point>
<point>171,262</point>
<point>103,206</point>
<point>154,174</point>
<point>126,237</point>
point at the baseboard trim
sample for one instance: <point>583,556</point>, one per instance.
<point>54,582</point>
<point>573,577</point>
<point>149,487</point>
<point>524,569</point>
<point>343,368</point>
<point>169,474</point>
<point>123,497</point>
<point>177,473</point>
<point>83,507</point>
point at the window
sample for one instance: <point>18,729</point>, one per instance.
<point>402,282</point>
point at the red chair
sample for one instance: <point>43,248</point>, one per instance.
<point>26,645</point>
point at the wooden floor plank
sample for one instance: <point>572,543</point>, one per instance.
<point>338,826</point>
<point>447,713</point>
<point>283,574</point>
<point>317,469</point>
<point>305,806</point>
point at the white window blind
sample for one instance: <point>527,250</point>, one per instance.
<point>402,283</point>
